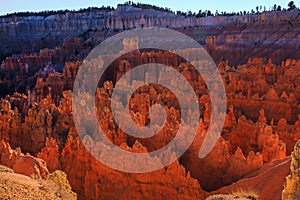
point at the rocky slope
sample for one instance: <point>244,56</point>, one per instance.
<point>267,182</point>
<point>230,197</point>
<point>16,186</point>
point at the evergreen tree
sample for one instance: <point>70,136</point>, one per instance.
<point>291,5</point>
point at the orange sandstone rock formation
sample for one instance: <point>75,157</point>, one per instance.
<point>292,185</point>
<point>22,164</point>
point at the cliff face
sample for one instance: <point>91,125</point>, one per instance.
<point>270,34</point>
<point>292,186</point>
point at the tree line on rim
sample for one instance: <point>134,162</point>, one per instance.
<point>201,13</point>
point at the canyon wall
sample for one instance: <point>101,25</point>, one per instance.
<point>270,34</point>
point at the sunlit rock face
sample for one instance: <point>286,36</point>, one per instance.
<point>18,186</point>
<point>292,185</point>
<point>23,164</point>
